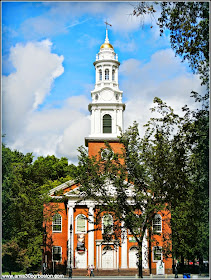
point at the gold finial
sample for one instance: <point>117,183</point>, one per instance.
<point>106,39</point>
<point>106,44</point>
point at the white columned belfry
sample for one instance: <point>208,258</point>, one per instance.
<point>106,107</point>
<point>70,207</point>
<point>91,242</point>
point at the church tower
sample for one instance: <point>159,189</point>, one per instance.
<point>106,107</point>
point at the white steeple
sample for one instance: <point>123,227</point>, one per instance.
<point>106,107</point>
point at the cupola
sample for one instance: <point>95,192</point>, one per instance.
<point>106,107</point>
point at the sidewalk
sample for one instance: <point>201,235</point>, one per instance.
<point>60,277</point>
<point>167,276</point>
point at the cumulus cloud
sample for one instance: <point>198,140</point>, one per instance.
<point>164,76</point>
<point>24,90</point>
<point>60,131</point>
<point>29,128</point>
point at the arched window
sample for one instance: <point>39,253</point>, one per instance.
<point>107,224</point>
<point>100,75</point>
<point>80,224</point>
<point>106,74</point>
<point>107,124</point>
<point>157,223</point>
<point>113,74</point>
<point>57,223</point>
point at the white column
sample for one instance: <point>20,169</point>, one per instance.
<point>145,263</point>
<point>97,256</point>
<point>100,256</point>
<point>91,242</point>
<point>124,247</point>
<point>70,206</point>
<point>93,121</point>
<point>96,73</point>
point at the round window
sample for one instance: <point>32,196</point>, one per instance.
<point>106,154</point>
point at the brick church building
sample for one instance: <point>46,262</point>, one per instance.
<point>71,240</point>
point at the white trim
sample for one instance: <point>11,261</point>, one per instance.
<point>129,256</point>
<point>57,214</point>
<point>157,224</point>
<point>124,246</point>
<point>91,243</point>
<point>60,254</point>
<point>103,223</point>
<point>62,186</point>
<point>84,254</point>
<point>153,253</point>
<point>76,223</point>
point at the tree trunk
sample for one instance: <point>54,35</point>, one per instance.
<point>140,274</point>
<point>150,253</point>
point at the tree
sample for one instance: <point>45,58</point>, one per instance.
<point>140,182</point>
<point>24,191</point>
<point>158,173</point>
<point>193,212</point>
<point>188,23</point>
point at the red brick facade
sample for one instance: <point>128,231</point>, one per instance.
<point>81,261</point>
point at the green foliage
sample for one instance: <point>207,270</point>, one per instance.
<point>188,23</point>
<point>166,169</point>
<point>190,218</point>
<point>24,191</point>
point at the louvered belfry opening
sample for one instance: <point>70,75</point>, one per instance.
<point>107,124</point>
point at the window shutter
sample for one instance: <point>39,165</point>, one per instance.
<point>107,124</point>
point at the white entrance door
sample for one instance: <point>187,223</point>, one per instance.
<point>108,259</point>
<point>133,257</point>
<point>80,260</point>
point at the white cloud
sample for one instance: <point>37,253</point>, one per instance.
<point>65,15</point>
<point>56,131</point>
<point>61,131</point>
<point>164,76</point>
<point>24,90</point>
<point>73,137</point>
<point>125,45</point>
<point>43,131</point>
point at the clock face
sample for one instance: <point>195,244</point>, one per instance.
<point>107,95</point>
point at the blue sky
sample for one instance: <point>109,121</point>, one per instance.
<point>48,50</point>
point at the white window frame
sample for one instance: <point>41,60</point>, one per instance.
<point>60,253</point>
<point>113,74</point>
<point>103,224</point>
<point>76,224</point>
<point>157,224</point>
<point>103,123</point>
<point>56,224</point>
<point>100,75</point>
<point>161,254</point>
<point>106,74</point>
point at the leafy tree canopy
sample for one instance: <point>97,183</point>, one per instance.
<point>24,192</point>
<point>188,23</point>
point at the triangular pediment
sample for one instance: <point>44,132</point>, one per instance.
<point>63,188</point>
<point>71,189</point>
